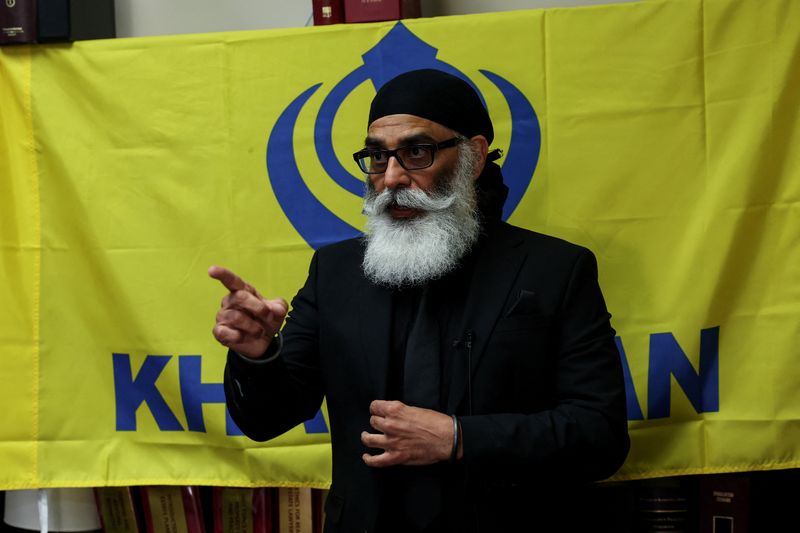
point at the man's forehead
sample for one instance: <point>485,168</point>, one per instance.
<point>401,126</point>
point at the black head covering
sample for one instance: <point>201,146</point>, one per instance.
<point>436,96</point>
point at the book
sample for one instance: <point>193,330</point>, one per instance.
<point>117,509</point>
<point>377,10</point>
<point>92,19</point>
<point>294,510</point>
<point>172,509</point>
<point>318,497</point>
<point>663,505</point>
<point>74,20</point>
<point>242,510</point>
<point>773,499</point>
<point>17,21</point>
<point>328,12</point>
<point>724,503</point>
<point>52,22</point>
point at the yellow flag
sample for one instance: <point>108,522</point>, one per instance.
<point>663,135</point>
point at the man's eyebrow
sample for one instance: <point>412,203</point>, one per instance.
<point>417,138</point>
<point>372,142</point>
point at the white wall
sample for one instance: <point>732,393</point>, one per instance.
<point>462,7</point>
<point>137,18</point>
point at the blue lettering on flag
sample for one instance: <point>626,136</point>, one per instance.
<point>398,52</point>
<point>130,393</point>
<point>195,393</point>
<point>668,359</point>
<point>632,403</point>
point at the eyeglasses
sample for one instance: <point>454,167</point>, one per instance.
<point>411,157</point>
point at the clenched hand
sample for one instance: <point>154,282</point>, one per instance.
<point>408,435</point>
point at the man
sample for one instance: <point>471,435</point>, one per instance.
<point>469,366</point>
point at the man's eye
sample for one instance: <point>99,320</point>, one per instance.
<point>416,151</point>
<point>378,157</point>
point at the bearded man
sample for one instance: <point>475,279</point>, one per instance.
<point>469,366</point>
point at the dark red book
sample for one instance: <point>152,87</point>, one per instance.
<point>377,10</point>
<point>17,21</point>
<point>328,12</point>
<point>318,497</point>
<point>724,503</point>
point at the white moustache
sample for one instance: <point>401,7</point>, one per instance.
<point>406,198</point>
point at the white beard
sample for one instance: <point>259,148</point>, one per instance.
<point>406,252</point>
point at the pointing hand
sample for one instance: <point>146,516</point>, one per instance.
<point>246,321</point>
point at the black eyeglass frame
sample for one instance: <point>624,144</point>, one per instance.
<point>362,155</point>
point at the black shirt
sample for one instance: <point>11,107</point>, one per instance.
<point>447,295</point>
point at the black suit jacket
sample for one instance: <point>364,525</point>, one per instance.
<point>547,397</point>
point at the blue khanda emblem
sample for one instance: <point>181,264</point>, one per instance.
<point>400,51</point>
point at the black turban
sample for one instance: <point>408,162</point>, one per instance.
<point>436,96</point>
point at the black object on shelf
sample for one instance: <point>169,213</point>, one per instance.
<point>17,21</point>
<point>92,19</point>
<point>75,20</point>
<point>53,20</point>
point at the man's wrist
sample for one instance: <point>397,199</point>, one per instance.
<point>457,450</point>
<point>270,354</point>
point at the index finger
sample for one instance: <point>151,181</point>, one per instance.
<point>231,281</point>
<point>384,407</point>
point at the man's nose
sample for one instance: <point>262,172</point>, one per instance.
<point>395,175</point>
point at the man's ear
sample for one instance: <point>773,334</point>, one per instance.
<point>482,144</point>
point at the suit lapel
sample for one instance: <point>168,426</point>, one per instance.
<point>496,269</point>
<point>375,333</point>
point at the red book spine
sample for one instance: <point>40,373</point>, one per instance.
<point>318,497</point>
<point>17,21</point>
<point>724,503</point>
<point>328,12</point>
<point>377,10</point>
<point>262,510</point>
<point>410,9</point>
